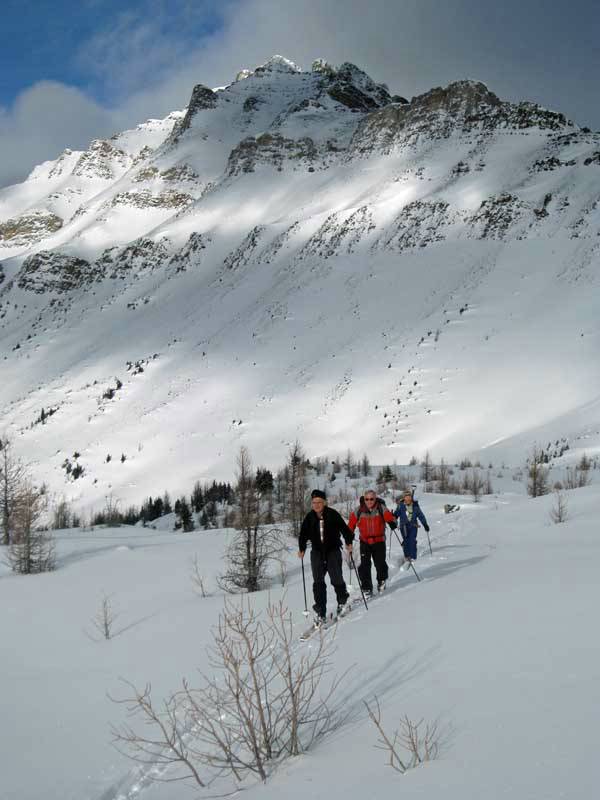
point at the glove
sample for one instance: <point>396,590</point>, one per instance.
<point>393,525</point>
<point>426,528</point>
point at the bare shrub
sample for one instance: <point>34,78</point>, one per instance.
<point>12,476</point>
<point>250,556</point>
<point>256,545</point>
<point>197,578</point>
<point>559,512</point>
<point>61,515</point>
<point>164,743</point>
<point>31,550</point>
<point>111,512</point>
<point>282,567</point>
<point>296,486</point>
<point>263,701</point>
<point>427,469</point>
<point>105,618</point>
<point>585,463</point>
<point>577,478</point>
<point>474,483</point>
<point>443,477</point>
<point>410,745</point>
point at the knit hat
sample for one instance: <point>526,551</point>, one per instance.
<point>318,493</point>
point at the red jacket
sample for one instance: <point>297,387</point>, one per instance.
<point>371,524</point>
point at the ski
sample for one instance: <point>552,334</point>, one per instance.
<point>329,622</point>
<point>345,609</point>
<point>316,627</point>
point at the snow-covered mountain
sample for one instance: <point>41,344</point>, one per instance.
<point>302,255</point>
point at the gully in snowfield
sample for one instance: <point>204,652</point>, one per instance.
<point>409,514</point>
<point>371,517</point>
<point>323,527</point>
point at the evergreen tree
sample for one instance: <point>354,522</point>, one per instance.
<point>385,475</point>
<point>538,474</point>
<point>157,508</point>
<point>365,466</point>
<point>185,518</point>
<point>264,481</point>
<point>197,499</point>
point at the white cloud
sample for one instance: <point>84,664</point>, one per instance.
<point>44,120</point>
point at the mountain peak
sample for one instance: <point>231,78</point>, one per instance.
<point>278,64</point>
<point>274,64</point>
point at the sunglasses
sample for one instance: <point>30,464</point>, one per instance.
<point>370,499</point>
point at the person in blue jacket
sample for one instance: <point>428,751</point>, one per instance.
<point>409,515</point>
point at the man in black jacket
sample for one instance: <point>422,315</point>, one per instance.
<point>324,527</point>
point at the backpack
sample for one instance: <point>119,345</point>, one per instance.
<point>380,507</point>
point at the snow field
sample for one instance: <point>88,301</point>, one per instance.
<point>496,644</point>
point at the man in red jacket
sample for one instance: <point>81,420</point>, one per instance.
<point>371,517</point>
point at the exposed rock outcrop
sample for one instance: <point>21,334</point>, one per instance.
<point>146,199</point>
<point>202,98</point>
<point>354,89</point>
<point>49,271</point>
<point>269,148</point>
<point>102,160</point>
<point>29,228</point>
<point>463,106</point>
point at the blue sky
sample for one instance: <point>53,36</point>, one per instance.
<point>72,71</point>
<point>42,40</point>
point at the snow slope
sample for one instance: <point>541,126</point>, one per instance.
<point>298,255</point>
<point>496,643</point>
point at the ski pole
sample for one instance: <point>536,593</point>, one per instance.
<point>429,540</point>
<point>358,579</point>
<point>305,612</point>
<point>411,563</point>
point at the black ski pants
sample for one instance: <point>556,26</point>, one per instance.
<point>377,553</point>
<point>321,564</point>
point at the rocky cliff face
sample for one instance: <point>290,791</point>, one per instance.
<point>463,107</point>
<point>29,228</point>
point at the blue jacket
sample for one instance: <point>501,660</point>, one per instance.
<point>403,520</point>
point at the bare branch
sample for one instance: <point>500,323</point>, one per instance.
<point>420,743</point>
<point>559,512</point>
<point>197,578</point>
<point>262,701</point>
<point>105,617</point>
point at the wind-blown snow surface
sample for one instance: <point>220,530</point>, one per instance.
<point>496,643</point>
<point>298,255</point>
